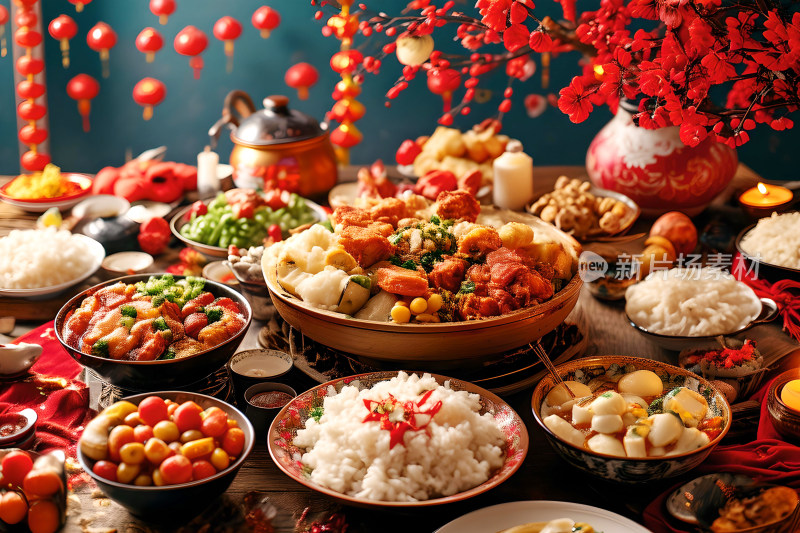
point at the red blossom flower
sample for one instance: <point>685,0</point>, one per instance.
<point>494,13</point>
<point>574,100</point>
<point>515,37</point>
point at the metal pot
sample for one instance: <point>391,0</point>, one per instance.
<point>277,146</point>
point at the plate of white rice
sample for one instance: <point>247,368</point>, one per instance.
<point>42,262</point>
<point>456,440</point>
<point>774,241</point>
<point>692,303</point>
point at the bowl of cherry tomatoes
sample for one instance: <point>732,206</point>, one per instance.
<point>166,456</point>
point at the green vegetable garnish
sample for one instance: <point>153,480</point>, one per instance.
<point>364,281</point>
<point>169,353</point>
<point>100,348</point>
<point>127,321</point>
<point>436,220</point>
<point>467,287</point>
<point>656,406</point>
<point>128,311</point>
<point>159,324</point>
<point>316,413</point>
<point>213,314</point>
<point>408,265</point>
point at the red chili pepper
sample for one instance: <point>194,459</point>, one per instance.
<point>408,152</point>
<point>154,235</point>
<point>275,232</point>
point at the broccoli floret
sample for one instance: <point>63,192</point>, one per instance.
<point>169,353</point>
<point>435,220</point>
<point>159,324</point>
<point>127,321</point>
<point>656,407</point>
<point>157,300</point>
<point>100,348</point>
<point>467,287</point>
<point>194,281</point>
<point>168,279</point>
<point>128,310</point>
<point>213,314</point>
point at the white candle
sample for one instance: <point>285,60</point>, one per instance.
<point>207,181</point>
<point>513,178</point>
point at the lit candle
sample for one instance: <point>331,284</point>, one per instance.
<point>790,395</point>
<point>207,180</point>
<point>766,195</point>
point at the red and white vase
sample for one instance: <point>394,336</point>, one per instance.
<point>655,169</point>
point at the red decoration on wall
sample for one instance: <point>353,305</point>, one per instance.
<point>101,38</point>
<point>3,20</point>
<point>148,42</point>
<point>149,92</point>
<point>63,28</point>
<point>301,77</point>
<point>265,19</point>
<point>29,37</point>
<point>228,29</point>
<point>79,4</point>
<point>162,9</point>
<point>83,88</point>
<point>191,42</point>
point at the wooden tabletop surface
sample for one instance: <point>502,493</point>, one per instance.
<point>543,475</point>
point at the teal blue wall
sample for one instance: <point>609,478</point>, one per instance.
<point>191,106</point>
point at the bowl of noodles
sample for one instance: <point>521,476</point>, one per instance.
<point>50,188</point>
<point>456,332</point>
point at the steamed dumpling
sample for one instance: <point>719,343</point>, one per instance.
<point>641,383</point>
<point>665,428</point>
<point>688,404</point>
<point>609,403</point>
<point>606,444</point>
<point>564,430</point>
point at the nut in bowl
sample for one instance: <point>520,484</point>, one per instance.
<point>418,443</point>
<point>625,402</point>
<point>151,481</point>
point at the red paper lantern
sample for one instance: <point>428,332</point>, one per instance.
<point>346,61</point>
<point>79,4</point>
<point>228,29</point>
<point>101,38</point>
<point>162,9</point>
<point>443,82</point>
<point>25,17</point>
<point>149,92</point>
<point>148,42</point>
<point>346,136</point>
<point>265,19</point>
<point>63,28</point>
<point>31,135</point>
<point>29,66</point>
<point>30,89</point>
<point>3,20</point>
<point>34,161</point>
<point>27,38</point>
<point>346,89</point>
<point>347,110</point>
<point>301,76</point>
<point>191,42</point>
<point>31,111</point>
<point>83,88</point>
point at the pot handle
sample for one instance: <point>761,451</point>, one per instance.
<point>237,106</point>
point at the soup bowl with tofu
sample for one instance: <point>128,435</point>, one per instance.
<point>631,419</point>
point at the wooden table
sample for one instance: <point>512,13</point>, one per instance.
<point>543,476</point>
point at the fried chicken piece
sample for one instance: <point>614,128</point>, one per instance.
<point>381,228</point>
<point>473,306</point>
<point>448,274</point>
<point>457,205</point>
<point>389,210</point>
<point>399,280</point>
<point>479,241</point>
<point>365,245</point>
<point>351,216</point>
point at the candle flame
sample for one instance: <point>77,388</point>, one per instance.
<point>762,189</point>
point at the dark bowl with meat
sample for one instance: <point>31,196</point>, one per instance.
<point>157,350</point>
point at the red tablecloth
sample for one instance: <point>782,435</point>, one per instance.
<point>52,390</point>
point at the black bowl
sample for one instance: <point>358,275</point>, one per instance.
<point>764,270</point>
<point>170,503</point>
<point>156,375</point>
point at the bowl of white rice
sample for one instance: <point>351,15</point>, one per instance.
<point>393,439</point>
<point>687,307</point>
<point>41,262</point>
<point>771,248</point>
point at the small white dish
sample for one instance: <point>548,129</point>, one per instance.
<point>144,210</point>
<point>221,273</point>
<point>101,206</point>
<point>125,263</point>
<point>97,252</point>
<point>16,359</point>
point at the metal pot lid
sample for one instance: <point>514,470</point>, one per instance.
<point>276,124</point>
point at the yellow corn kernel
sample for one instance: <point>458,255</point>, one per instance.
<point>127,473</point>
<point>434,303</point>
<point>418,305</point>
<point>196,448</point>
<point>401,314</point>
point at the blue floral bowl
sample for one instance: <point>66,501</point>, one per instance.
<point>623,469</point>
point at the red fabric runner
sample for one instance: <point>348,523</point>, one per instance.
<point>767,459</point>
<point>60,400</point>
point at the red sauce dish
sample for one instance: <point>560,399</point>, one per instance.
<point>18,429</point>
